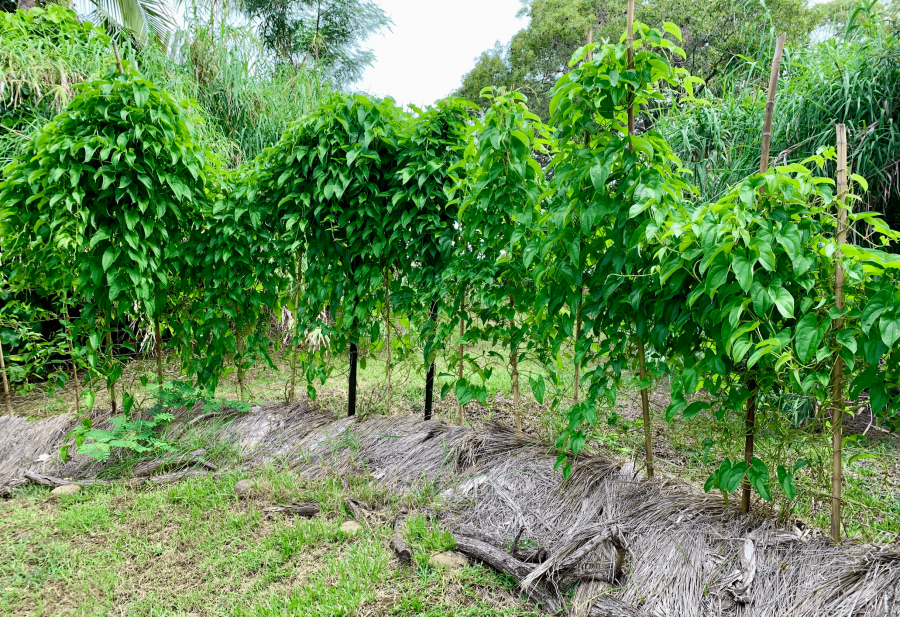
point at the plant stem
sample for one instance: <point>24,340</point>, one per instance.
<point>387,325</point>
<point>5,381</point>
<point>749,424</point>
<point>292,395</point>
<point>429,378</point>
<point>462,349</point>
<point>351,387</point>
<point>630,39</point>
<point>645,409</point>
<point>837,373</point>
<point>750,420</point>
<point>109,350</point>
<point>74,367</point>
<point>159,363</point>
<point>575,347</point>
<point>514,365</point>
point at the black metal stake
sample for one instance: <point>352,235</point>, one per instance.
<point>429,379</point>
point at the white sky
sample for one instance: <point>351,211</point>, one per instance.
<point>433,43</point>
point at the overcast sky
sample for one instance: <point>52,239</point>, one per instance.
<point>433,43</point>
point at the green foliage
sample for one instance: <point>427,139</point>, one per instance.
<point>717,33</point>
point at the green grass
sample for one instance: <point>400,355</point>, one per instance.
<point>194,548</point>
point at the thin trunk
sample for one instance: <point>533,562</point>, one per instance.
<point>109,350</point>
<point>159,362</point>
<point>837,375</point>
<point>575,347</point>
<point>750,420</point>
<point>26,5</point>
<point>590,39</point>
<point>118,58</point>
<point>74,369</point>
<point>514,366</point>
<point>239,360</point>
<point>351,387</point>
<point>5,381</point>
<point>645,409</point>
<point>630,38</point>
<point>387,325</point>
<point>770,104</point>
<point>295,348</point>
<point>429,379</point>
<point>749,426</point>
<point>462,350</point>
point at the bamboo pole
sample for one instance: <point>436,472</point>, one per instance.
<point>387,325</point>
<point>5,381</point>
<point>770,104</point>
<point>750,419</point>
<point>462,350</point>
<point>837,374</point>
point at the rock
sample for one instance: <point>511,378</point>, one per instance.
<point>351,527</point>
<point>449,559</point>
<point>66,489</point>
<point>243,488</point>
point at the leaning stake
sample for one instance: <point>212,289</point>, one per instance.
<point>5,382</point>
<point>750,420</point>
<point>837,374</point>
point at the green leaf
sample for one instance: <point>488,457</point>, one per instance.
<point>694,408</point>
<point>786,480</point>
<point>109,256</point>
<point>599,174</point>
<point>538,387</point>
<point>806,338</point>
<point>743,268</point>
<point>784,301</point>
<point>890,330</point>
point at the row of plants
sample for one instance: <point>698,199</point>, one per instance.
<point>452,222</point>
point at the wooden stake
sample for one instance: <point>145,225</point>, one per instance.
<point>750,419</point>
<point>837,374</point>
<point>645,409</point>
<point>351,384</point>
<point>462,350</point>
<point>630,35</point>
<point>118,58</point>
<point>387,324</point>
<point>590,40</point>
<point>770,104</point>
<point>239,359</point>
<point>5,381</point>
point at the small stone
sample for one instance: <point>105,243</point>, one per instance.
<point>449,559</point>
<point>351,527</point>
<point>242,488</point>
<point>66,489</point>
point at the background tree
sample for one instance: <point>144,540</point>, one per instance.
<point>327,34</point>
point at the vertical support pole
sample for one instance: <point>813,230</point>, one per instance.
<point>109,350</point>
<point>74,366</point>
<point>514,366</point>
<point>429,379</point>
<point>118,57</point>
<point>575,346</point>
<point>630,39</point>
<point>387,324</point>
<point>351,392</point>
<point>837,373</point>
<point>158,341</point>
<point>239,360</point>
<point>5,381</point>
<point>750,420</point>
<point>462,349</point>
<point>645,410</point>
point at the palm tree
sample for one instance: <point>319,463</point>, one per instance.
<point>141,20</point>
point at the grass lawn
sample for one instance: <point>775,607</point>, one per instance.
<point>196,549</point>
